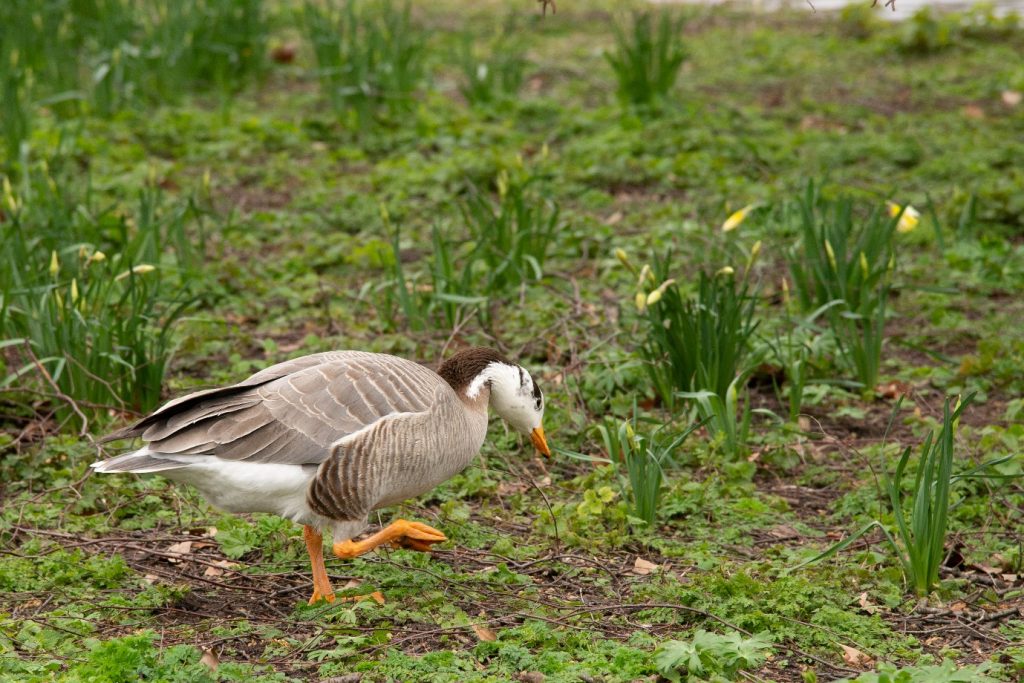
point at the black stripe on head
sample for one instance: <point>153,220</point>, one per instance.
<point>538,397</point>
<point>463,367</point>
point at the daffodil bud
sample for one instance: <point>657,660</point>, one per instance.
<point>74,291</point>
<point>645,276</point>
<point>140,269</point>
<point>831,255</point>
<point>655,296</point>
<point>502,183</point>
<point>206,181</point>
<point>9,198</point>
<point>54,264</point>
<point>725,270</point>
<point>785,291</point>
<point>623,258</point>
<point>98,256</point>
<point>754,253</point>
<point>864,265</point>
<point>641,301</point>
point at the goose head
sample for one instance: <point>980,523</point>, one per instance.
<point>510,388</point>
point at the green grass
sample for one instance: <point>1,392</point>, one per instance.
<point>356,192</point>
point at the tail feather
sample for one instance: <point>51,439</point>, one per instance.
<point>139,462</point>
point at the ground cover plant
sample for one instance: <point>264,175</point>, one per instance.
<point>836,197</point>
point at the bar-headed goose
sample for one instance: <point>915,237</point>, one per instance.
<point>325,439</point>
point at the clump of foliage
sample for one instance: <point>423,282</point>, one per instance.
<point>700,342</point>
<point>698,348</point>
<point>509,241</point>
<point>494,77</point>
<point>512,236</point>
<point>88,294</point>
<point>708,655</point>
<point>922,537</point>
<point>647,58</point>
<point>86,57</point>
<point>841,270</point>
<point>369,58</point>
<point>643,456</point>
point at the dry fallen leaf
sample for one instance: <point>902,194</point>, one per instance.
<point>178,550</point>
<point>151,578</point>
<point>854,657</point>
<point>530,677</point>
<point>866,604</point>
<point>1012,98</point>
<point>485,634</point>
<point>219,566</point>
<point>209,660</point>
<point>973,111</point>
<point>642,567</point>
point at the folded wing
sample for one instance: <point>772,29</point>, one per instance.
<point>289,413</point>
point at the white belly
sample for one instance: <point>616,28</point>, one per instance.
<point>238,486</point>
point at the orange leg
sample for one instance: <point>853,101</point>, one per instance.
<point>321,583</point>
<point>412,535</point>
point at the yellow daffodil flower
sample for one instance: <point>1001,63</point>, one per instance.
<point>910,218</point>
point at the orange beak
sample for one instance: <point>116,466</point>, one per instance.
<point>539,442</point>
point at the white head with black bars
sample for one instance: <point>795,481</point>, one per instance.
<point>514,395</point>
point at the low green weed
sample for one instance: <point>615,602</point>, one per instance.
<point>369,59</point>
<point>643,456</point>
<point>728,419</point>
<point>710,654</point>
<point>647,58</point>
<point>947,672</point>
